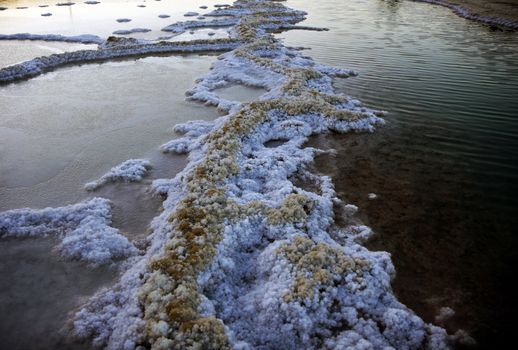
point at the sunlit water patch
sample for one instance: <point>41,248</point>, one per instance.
<point>445,167</point>
<point>16,51</point>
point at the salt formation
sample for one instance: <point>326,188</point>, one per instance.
<point>82,39</point>
<point>191,14</point>
<point>46,14</point>
<point>194,132</point>
<point>181,27</point>
<point>131,31</point>
<point>111,48</point>
<point>241,256</point>
<point>123,20</point>
<point>84,229</point>
<point>65,3</point>
<point>132,170</point>
<point>92,2</point>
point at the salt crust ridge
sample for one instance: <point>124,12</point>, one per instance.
<point>81,39</point>
<point>132,170</point>
<point>241,257</point>
<point>84,229</point>
<point>113,47</point>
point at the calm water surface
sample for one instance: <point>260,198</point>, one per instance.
<point>445,167</point>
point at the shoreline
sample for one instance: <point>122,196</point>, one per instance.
<point>502,14</point>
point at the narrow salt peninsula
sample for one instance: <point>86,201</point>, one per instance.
<point>242,256</point>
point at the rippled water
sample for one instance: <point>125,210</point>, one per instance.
<point>445,167</point>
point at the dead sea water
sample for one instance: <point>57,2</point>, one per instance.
<point>445,167</point>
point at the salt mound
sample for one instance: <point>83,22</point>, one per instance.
<point>191,14</point>
<point>164,16</point>
<point>65,3</point>
<point>132,170</point>
<point>123,20</point>
<point>46,14</point>
<point>90,2</point>
<point>84,228</point>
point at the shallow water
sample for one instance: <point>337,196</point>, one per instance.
<point>445,167</point>
<point>83,120</point>
<point>17,51</point>
<point>38,292</point>
<point>99,19</point>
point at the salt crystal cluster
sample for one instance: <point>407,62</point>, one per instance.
<point>132,170</point>
<point>84,229</point>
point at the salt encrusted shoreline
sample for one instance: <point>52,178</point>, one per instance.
<point>243,256</point>
<point>463,11</point>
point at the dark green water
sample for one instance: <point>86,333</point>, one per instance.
<point>445,167</point>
